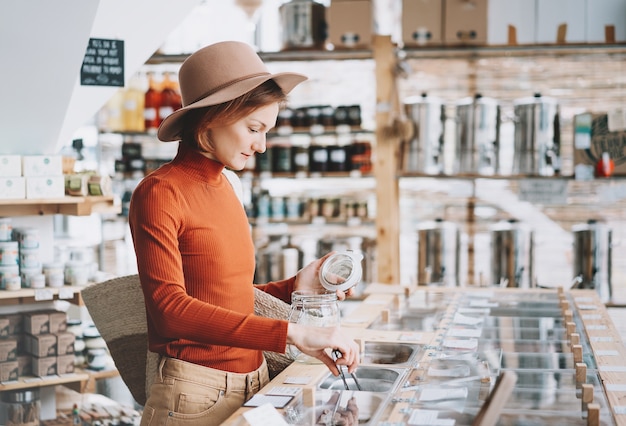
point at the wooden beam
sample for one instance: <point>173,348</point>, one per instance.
<point>386,162</point>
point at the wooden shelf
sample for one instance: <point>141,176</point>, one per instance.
<point>469,52</point>
<point>73,206</point>
<point>458,52</point>
<point>30,295</point>
<point>84,379</point>
<point>38,382</point>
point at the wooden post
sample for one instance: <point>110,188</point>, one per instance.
<point>386,163</point>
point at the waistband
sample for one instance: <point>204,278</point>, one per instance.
<point>213,377</point>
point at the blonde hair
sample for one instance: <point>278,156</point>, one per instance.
<point>199,122</point>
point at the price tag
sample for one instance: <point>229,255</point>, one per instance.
<point>43,294</point>
<point>284,390</point>
<point>66,293</point>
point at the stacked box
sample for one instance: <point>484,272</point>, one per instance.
<point>44,176</point>
<point>12,183</point>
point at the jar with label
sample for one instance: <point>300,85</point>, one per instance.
<point>318,309</point>
<point>338,158</point>
<point>7,273</point>
<point>28,237</point>
<point>22,407</point>
<point>77,273</point>
<point>6,229</point>
<point>318,158</point>
<point>9,253</point>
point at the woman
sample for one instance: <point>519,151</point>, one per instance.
<point>195,254</point>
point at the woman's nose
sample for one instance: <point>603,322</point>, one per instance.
<point>260,144</point>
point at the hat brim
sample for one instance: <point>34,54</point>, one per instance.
<point>171,127</point>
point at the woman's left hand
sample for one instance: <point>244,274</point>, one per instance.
<point>307,278</point>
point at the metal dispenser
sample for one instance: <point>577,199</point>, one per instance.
<point>537,136</point>
<point>512,255</point>
<point>592,258</point>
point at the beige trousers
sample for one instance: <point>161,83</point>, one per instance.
<point>186,394</point>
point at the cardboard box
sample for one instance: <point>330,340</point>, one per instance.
<point>46,366</point>
<point>422,22</point>
<point>45,187</point>
<point>42,165</point>
<point>65,343</point>
<point>65,364</point>
<point>36,322</point>
<point>465,22</point>
<point>12,188</point>
<point>8,371</point>
<point>350,24</point>
<point>42,345</point>
<point>593,135</point>
<point>8,349</point>
<point>58,321</point>
<point>24,365</point>
<point>10,165</point>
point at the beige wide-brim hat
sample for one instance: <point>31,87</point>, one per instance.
<point>219,73</point>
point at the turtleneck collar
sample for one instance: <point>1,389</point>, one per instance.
<point>197,165</point>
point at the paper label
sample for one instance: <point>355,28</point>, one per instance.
<point>601,339</point>
<point>612,368</point>
<point>284,390</point>
<point>587,307</point>
<point>615,387</point>
<point>465,332</point>
<point>617,120</point>
<point>620,409</point>
<point>466,320</point>
<point>591,316</point>
<point>294,380</point>
<point>595,327</point>
<point>461,343</point>
<point>264,415</point>
<point>438,394</point>
<point>607,352</point>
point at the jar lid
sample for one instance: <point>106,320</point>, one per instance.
<point>341,271</point>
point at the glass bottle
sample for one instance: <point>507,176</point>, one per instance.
<point>152,103</point>
<point>170,98</point>
<point>132,109</point>
<point>318,309</point>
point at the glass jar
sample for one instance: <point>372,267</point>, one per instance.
<point>313,308</point>
<point>22,407</point>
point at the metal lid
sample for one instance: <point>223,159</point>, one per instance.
<point>536,99</point>
<point>341,271</point>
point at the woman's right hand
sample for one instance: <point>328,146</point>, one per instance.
<point>314,341</point>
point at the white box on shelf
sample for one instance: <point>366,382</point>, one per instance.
<point>10,165</point>
<point>42,165</point>
<point>12,188</point>
<point>45,186</point>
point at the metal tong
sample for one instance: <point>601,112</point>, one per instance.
<point>336,355</point>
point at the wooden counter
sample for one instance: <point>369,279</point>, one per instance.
<point>590,335</point>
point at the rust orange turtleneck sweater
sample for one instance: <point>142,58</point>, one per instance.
<point>195,259</point>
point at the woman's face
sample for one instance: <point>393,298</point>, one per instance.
<point>233,144</point>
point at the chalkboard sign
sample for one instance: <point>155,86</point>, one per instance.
<point>103,64</point>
